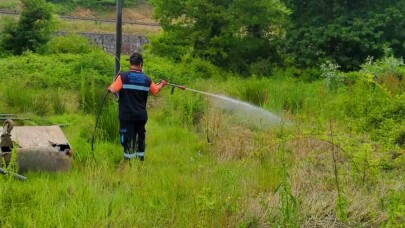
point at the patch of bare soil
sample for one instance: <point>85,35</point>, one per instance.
<point>82,12</point>
<point>141,13</point>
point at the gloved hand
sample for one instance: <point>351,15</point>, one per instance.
<point>163,83</point>
<point>111,90</point>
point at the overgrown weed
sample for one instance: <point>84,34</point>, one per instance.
<point>200,164</point>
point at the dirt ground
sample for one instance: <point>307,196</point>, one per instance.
<point>142,13</point>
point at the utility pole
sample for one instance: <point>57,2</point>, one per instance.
<point>118,37</point>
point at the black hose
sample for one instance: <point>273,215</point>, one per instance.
<point>97,120</point>
<point>15,175</point>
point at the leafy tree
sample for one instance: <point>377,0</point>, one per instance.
<point>229,33</point>
<point>33,29</point>
<point>345,31</point>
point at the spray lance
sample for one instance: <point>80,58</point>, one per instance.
<point>182,87</point>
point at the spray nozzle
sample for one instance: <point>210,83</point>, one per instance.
<point>182,87</point>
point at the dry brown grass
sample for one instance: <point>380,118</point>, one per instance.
<point>311,177</point>
<point>82,12</point>
<point>229,141</point>
<point>393,83</point>
<point>10,5</point>
<point>141,13</point>
<point>105,27</point>
<point>313,182</point>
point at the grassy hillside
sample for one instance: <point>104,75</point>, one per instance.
<point>138,14</point>
<point>338,159</point>
<point>10,5</point>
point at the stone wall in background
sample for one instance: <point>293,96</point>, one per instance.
<point>130,43</point>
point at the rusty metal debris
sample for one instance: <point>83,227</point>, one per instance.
<point>15,175</point>
<point>38,148</point>
<point>12,117</point>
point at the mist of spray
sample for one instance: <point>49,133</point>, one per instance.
<point>247,111</point>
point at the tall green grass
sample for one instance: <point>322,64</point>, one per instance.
<point>36,102</point>
<point>186,190</point>
<point>20,100</point>
<point>57,101</point>
<point>109,124</point>
<point>57,70</point>
<point>186,180</point>
<point>183,109</point>
<point>290,95</point>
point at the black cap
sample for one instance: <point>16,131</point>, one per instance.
<point>135,59</point>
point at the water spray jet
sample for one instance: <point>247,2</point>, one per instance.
<point>224,102</point>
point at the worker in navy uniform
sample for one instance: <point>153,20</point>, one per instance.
<point>133,88</point>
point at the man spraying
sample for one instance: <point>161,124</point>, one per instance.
<point>133,88</point>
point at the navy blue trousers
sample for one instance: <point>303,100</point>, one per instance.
<point>132,138</point>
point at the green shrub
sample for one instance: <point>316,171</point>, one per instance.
<point>170,47</point>
<point>387,71</point>
<point>372,108</point>
<point>396,208</point>
<point>73,44</point>
<point>58,70</point>
<point>310,74</point>
<point>96,60</point>
<point>387,64</point>
<point>186,71</point>
<point>161,68</point>
<point>333,78</point>
<point>262,67</point>
<point>306,74</point>
<point>201,68</point>
<point>33,29</point>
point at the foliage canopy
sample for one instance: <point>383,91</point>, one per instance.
<point>252,36</point>
<point>346,32</point>
<point>231,34</point>
<point>33,29</point>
